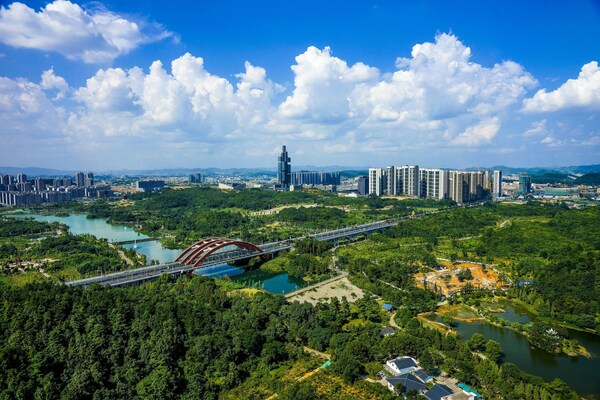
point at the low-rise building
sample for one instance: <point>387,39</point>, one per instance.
<point>401,365</point>
<point>408,382</point>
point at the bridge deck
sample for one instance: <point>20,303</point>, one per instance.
<point>152,272</point>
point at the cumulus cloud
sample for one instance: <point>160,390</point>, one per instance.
<point>481,133</point>
<point>537,128</point>
<point>323,85</point>
<point>50,81</point>
<point>26,111</point>
<point>583,92</point>
<point>94,35</point>
<point>435,99</point>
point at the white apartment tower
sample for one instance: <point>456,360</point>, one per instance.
<point>407,181</point>
<point>433,183</point>
<point>497,185</point>
<point>377,181</point>
<point>392,187</point>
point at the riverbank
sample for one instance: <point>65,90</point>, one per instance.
<point>489,314</point>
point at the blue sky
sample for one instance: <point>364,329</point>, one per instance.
<point>142,84</point>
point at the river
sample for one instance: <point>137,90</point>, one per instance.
<point>79,224</point>
<point>580,373</point>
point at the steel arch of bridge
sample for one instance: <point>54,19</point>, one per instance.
<point>197,252</point>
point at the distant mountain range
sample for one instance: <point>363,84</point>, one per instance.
<point>575,169</point>
<point>250,172</point>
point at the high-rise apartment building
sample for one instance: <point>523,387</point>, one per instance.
<point>363,185</point>
<point>487,181</point>
<point>284,170</point>
<point>497,184</point>
<point>40,184</point>
<point>21,178</point>
<point>80,179</point>
<point>315,178</point>
<point>433,183</point>
<point>196,178</point>
<point>377,181</point>
<point>458,185</point>
<point>524,183</point>
<point>475,185</point>
<point>407,181</point>
<point>89,179</point>
<point>391,181</point>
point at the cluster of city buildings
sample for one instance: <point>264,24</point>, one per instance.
<point>412,181</point>
<point>288,180</point>
<point>23,191</point>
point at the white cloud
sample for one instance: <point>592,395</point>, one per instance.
<point>50,81</point>
<point>483,132</point>
<point>26,112</point>
<point>94,35</point>
<point>437,100</point>
<point>323,85</point>
<point>537,128</point>
<point>583,92</point>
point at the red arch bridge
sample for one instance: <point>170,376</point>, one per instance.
<point>217,251</point>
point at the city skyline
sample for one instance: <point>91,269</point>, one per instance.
<point>143,85</point>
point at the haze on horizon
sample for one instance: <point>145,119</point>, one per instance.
<point>141,85</point>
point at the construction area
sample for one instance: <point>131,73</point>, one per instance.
<point>454,276</point>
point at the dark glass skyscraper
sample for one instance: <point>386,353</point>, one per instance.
<point>284,170</point>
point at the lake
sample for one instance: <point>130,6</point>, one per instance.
<point>276,283</point>
<point>79,224</point>
<point>578,372</point>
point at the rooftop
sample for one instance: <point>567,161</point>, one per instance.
<point>438,391</point>
<point>409,381</point>
<point>388,330</point>
<point>403,362</point>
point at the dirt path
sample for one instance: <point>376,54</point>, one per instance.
<point>393,322</point>
<point>317,353</point>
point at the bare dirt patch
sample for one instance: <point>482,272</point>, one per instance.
<point>340,288</point>
<point>448,282</point>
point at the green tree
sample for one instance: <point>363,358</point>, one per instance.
<point>493,350</point>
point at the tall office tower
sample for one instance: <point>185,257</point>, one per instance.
<point>21,178</point>
<point>433,183</point>
<point>459,186</point>
<point>524,183</point>
<point>497,185</point>
<point>377,181</point>
<point>80,179</point>
<point>391,181</point>
<point>89,179</point>
<point>40,184</point>
<point>198,177</point>
<point>284,169</point>
<point>363,185</point>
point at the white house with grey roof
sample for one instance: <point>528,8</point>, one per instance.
<point>401,365</point>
